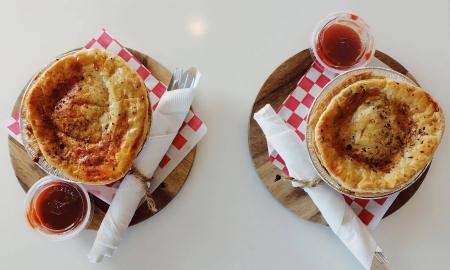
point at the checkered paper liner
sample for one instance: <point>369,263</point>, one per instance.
<point>190,133</point>
<point>294,111</point>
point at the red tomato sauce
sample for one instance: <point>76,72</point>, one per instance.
<point>339,46</point>
<point>58,207</point>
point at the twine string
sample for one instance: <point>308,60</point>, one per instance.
<point>302,183</point>
<point>146,182</point>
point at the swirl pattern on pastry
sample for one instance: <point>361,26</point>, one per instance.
<point>376,134</point>
<point>89,113</point>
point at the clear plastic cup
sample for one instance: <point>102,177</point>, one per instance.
<point>359,26</point>
<point>34,221</point>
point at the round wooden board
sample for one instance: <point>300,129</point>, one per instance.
<point>275,90</point>
<point>28,172</point>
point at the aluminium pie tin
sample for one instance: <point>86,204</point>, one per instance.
<point>321,170</point>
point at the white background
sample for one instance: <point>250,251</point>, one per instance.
<point>224,218</point>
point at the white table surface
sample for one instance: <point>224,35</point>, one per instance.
<point>224,218</point>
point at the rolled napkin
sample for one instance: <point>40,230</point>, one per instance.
<point>341,218</point>
<point>116,220</point>
<point>166,121</point>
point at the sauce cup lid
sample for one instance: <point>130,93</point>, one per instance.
<point>356,23</point>
<point>66,234</point>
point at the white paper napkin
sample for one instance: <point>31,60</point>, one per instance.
<point>342,220</point>
<point>166,121</point>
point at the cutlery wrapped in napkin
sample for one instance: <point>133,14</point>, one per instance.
<point>342,220</point>
<point>166,121</point>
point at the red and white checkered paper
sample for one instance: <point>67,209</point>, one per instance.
<point>191,131</point>
<point>294,111</point>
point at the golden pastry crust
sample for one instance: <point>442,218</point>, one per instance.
<point>376,134</point>
<point>321,105</point>
<point>89,113</point>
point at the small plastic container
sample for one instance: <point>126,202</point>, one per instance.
<point>53,199</point>
<point>353,22</point>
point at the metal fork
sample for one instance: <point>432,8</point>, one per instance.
<point>380,262</point>
<point>184,79</point>
<point>191,78</point>
<point>176,76</point>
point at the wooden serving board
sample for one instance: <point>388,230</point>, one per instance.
<point>274,91</point>
<point>28,172</point>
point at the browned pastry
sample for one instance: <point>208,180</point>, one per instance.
<point>376,134</point>
<point>89,113</point>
